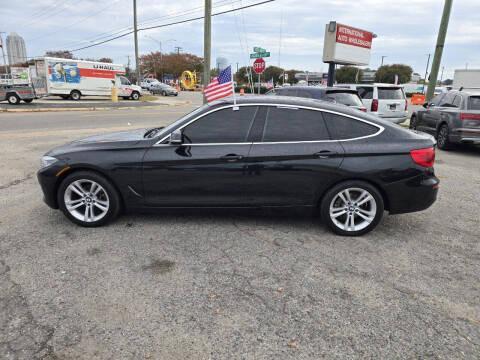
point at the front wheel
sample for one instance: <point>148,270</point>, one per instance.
<point>413,122</point>
<point>88,199</point>
<point>135,95</point>
<point>352,208</point>
<point>75,95</point>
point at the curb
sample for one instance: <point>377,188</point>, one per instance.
<point>93,108</point>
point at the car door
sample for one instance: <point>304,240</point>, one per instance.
<point>434,116</point>
<point>208,168</point>
<point>292,158</point>
<point>424,115</point>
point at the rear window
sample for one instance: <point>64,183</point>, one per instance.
<point>365,92</point>
<point>342,127</point>
<point>474,103</point>
<point>390,93</point>
<point>349,99</point>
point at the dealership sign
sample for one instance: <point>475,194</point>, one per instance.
<point>347,45</point>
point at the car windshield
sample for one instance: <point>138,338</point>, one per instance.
<point>345,98</point>
<point>390,93</point>
<point>474,103</point>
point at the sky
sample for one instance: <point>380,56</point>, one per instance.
<point>292,30</point>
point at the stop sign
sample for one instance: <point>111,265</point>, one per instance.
<point>259,66</point>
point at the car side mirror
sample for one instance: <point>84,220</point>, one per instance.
<point>426,105</point>
<point>176,137</point>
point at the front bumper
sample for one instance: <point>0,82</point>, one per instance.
<point>49,181</point>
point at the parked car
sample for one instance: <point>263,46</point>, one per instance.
<point>452,117</point>
<point>263,151</point>
<point>384,100</point>
<point>341,96</point>
<point>163,89</point>
<point>15,93</point>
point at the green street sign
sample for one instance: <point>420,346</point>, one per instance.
<point>258,55</point>
<point>259,49</point>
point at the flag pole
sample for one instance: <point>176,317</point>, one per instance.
<point>233,90</point>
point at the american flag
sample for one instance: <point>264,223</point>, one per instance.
<point>220,86</point>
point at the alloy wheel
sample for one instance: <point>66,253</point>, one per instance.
<point>86,200</point>
<point>442,136</point>
<point>353,209</point>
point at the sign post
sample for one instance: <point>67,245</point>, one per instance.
<point>259,68</point>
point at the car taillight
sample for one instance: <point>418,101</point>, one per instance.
<point>374,107</point>
<point>465,116</point>
<point>423,157</point>
<point>406,104</point>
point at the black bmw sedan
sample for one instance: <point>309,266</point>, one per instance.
<point>259,152</point>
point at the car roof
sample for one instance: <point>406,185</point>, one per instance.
<point>320,88</point>
<point>297,101</point>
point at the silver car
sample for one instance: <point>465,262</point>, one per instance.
<point>163,89</point>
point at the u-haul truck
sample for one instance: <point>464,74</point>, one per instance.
<point>76,78</point>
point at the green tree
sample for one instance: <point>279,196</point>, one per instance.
<point>273,72</point>
<point>291,76</point>
<point>348,74</point>
<point>386,73</point>
<point>63,54</point>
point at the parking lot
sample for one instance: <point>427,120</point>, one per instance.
<point>229,285</point>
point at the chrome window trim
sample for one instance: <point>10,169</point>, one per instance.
<point>379,127</point>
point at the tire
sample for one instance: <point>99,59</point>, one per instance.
<point>442,138</point>
<point>339,221</point>
<point>413,122</point>
<point>135,95</point>
<point>13,99</point>
<point>75,95</point>
<point>103,207</point>
<point>28,101</point>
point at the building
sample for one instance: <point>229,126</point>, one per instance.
<point>16,50</point>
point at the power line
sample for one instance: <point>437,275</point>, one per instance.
<point>172,23</point>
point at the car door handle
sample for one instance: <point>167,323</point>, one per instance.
<point>325,154</point>
<point>232,157</point>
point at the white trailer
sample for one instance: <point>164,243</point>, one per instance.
<point>466,78</point>
<point>76,78</point>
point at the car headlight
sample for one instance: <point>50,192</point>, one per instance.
<point>47,161</point>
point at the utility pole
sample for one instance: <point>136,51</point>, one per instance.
<point>426,72</point>
<point>3,53</point>
<point>437,58</point>
<point>178,49</point>
<point>383,57</point>
<point>207,44</point>
<point>135,36</point>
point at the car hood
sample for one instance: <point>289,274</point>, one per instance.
<point>118,139</point>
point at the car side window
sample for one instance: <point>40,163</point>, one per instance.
<point>124,81</point>
<point>437,99</point>
<point>365,92</point>
<point>448,100</point>
<point>222,126</point>
<point>291,124</point>
<point>457,101</point>
<point>287,92</point>
<point>342,127</point>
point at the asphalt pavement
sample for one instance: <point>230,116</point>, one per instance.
<point>229,284</point>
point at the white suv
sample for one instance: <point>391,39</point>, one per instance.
<point>385,100</point>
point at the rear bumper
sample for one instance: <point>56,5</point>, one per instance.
<point>402,116</point>
<point>416,194</point>
<point>465,135</point>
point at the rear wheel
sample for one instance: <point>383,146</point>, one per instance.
<point>442,138</point>
<point>13,99</point>
<point>75,95</point>
<point>352,208</point>
<point>88,199</point>
<point>135,95</point>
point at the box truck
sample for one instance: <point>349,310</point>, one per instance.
<point>466,78</point>
<point>76,78</point>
